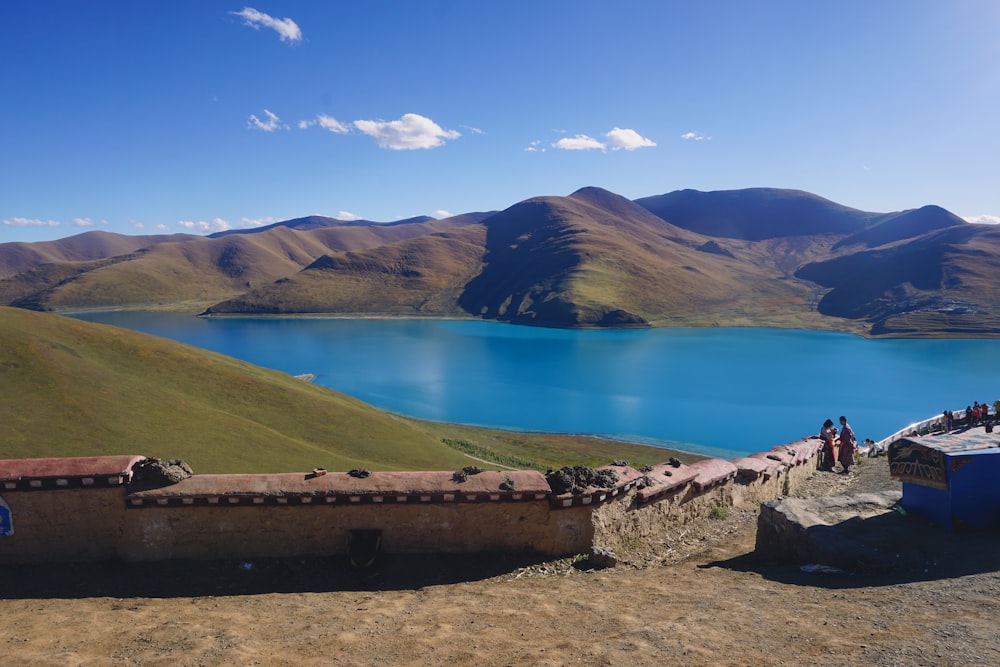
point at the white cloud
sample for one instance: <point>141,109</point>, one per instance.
<point>626,139</point>
<point>695,136</point>
<point>346,215</point>
<point>535,147</point>
<point>332,124</point>
<point>984,219</point>
<point>286,28</point>
<point>30,222</point>
<point>160,227</point>
<point>441,214</point>
<point>83,222</point>
<point>305,124</point>
<point>580,142</point>
<point>270,125</point>
<point>410,132</point>
<point>215,225</point>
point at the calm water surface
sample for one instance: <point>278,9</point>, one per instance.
<point>720,391</point>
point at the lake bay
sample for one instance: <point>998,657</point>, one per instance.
<point>712,391</point>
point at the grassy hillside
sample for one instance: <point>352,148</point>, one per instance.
<point>73,388</point>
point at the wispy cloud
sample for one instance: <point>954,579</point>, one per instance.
<point>30,222</point>
<point>695,136</point>
<point>270,125</point>
<point>410,132</point>
<point>580,142</point>
<point>332,124</point>
<point>286,28</point>
<point>214,225</point>
<point>535,147</point>
<point>83,222</point>
<point>984,219</point>
<point>347,215</point>
<point>441,214</point>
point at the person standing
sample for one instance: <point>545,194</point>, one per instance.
<point>827,459</point>
<point>848,445</point>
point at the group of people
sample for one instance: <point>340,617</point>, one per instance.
<point>839,445</point>
<point>977,414</point>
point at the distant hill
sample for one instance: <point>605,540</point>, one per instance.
<point>74,388</point>
<point>755,214</point>
<point>759,256</point>
<point>320,222</point>
<point>18,257</point>
<point>941,282</point>
<point>158,271</point>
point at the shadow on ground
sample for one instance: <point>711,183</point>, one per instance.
<point>881,550</point>
<point>170,579</point>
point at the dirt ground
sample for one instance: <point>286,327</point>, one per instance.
<point>696,597</point>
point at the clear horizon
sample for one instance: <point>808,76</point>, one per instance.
<point>197,117</point>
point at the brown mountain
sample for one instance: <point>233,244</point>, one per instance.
<point>593,258</point>
<point>98,270</point>
<point>18,257</point>
<point>941,282</point>
<point>755,214</point>
<point>760,256</point>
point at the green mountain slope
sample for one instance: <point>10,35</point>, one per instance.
<point>72,388</point>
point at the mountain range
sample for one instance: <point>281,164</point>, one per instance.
<point>758,256</point>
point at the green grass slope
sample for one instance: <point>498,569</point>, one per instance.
<point>72,388</point>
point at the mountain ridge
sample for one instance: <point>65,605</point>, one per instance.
<point>752,257</point>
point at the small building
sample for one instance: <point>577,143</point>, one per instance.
<point>953,479</point>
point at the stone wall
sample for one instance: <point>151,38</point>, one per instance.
<point>92,509</point>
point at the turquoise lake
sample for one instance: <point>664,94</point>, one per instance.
<point>713,391</point>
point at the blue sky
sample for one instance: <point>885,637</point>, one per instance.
<point>144,117</point>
